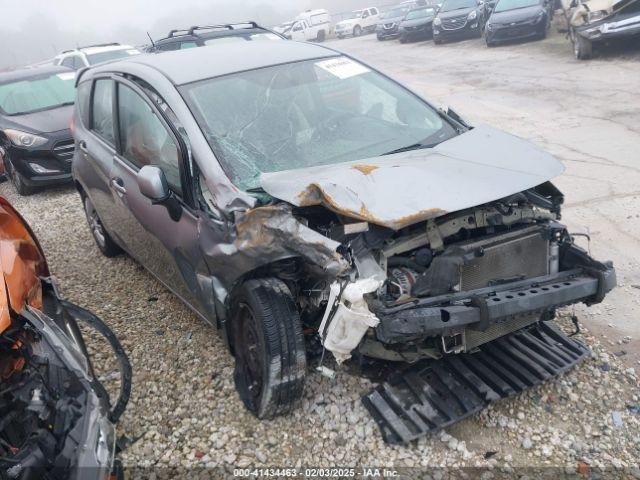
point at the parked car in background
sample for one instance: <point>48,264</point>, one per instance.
<point>358,22</point>
<point>312,25</point>
<point>57,420</point>
<point>457,19</point>
<point>36,146</point>
<point>284,27</point>
<point>93,54</point>
<point>389,24</point>
<point>291,195</point>
<point>518,19</point>
<point>201,36</point>
<point>594,22</point>
<point>417,24</point>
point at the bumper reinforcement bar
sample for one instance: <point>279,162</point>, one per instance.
<point>432,394</point>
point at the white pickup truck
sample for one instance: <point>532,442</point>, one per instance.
<point>358,22</point>
<point>311,25</point>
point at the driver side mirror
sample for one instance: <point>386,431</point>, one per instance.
<point>153,184</point>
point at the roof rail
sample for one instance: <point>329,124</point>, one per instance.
<point>111,44</point>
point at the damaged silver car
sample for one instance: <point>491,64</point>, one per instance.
<point>301,201</point>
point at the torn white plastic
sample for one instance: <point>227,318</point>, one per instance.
<point>352,317</point>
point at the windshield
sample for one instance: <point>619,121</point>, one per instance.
<point>37,93</point>
<point>422,13</point>
<point>504,5</point>
<point>95,58</point>
<point>352,15</point>
<point>450,5</point>
<point>309,113</point>
<point>395,13</point>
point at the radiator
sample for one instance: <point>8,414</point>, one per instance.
<point>519,254</point>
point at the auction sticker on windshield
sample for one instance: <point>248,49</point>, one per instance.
<point>342,67</point>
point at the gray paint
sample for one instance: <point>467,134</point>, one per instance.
<point>398,190</point>
<point>194,64</point>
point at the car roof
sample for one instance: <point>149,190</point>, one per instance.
<point>207,34</point>
<point>30,72</point>
<point>194,64</point>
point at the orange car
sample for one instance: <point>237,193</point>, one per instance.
<point>55,416</point>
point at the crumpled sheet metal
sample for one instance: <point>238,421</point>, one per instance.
<point>476,167</point>
<point>266,234</point>
<point>272,230</point>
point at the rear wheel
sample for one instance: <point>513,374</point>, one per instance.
<point>357,31</point>
<point>321,36</point>
<point>105,243</point>
<point>269,347</point>
<point>437,41</point>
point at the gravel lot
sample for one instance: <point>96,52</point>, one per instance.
<point>184,411</point>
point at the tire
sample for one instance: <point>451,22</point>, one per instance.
<point>19,183</point>
<point>489,43</point>
<point>269,348</point>
<point>582,48</point>
<point>403,40</point>
<point>380,38</point>
<point>321,36</point>
<point>357,31</point>
<point>437,41</point>
<point>103,240</point>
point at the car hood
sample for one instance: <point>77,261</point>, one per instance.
<point>456,13</point>
<point>347,23</point>
<point>416,22</point>
<point>517,15</point>
<point>45,121</point>
<point>390,20</point>
<point>476,167</point>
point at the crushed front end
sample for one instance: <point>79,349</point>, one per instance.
<point>469,295</point>
<point>56,418</point>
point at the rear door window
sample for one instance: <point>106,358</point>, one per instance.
<point>102,110</point>
<point>144,138</point>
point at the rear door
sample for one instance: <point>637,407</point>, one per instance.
<point>96,150</point>
<point>162,237</point>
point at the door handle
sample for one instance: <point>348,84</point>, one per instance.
<point>118,185</point>
<point>83,146</point>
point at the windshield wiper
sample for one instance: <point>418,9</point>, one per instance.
<point>415,146</point>
<point>256,190</point>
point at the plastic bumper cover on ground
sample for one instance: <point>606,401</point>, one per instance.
<point>435,394</point>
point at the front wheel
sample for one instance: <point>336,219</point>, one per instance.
<point>19,182</point>
<point>582,48</point>
<point>269,347</point>
<point>437,41</point>
<point>357,31</point>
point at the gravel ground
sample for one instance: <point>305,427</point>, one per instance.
<point>184,411</point>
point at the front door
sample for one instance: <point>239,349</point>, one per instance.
<point>162,237</point>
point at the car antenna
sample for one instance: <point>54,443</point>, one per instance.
<point>152,42</point>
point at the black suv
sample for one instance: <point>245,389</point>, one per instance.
<point>200,36</point>
<point>36,146</point>
<point>458,19</point>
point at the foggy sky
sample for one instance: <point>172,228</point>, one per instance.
<point>35,30</point>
